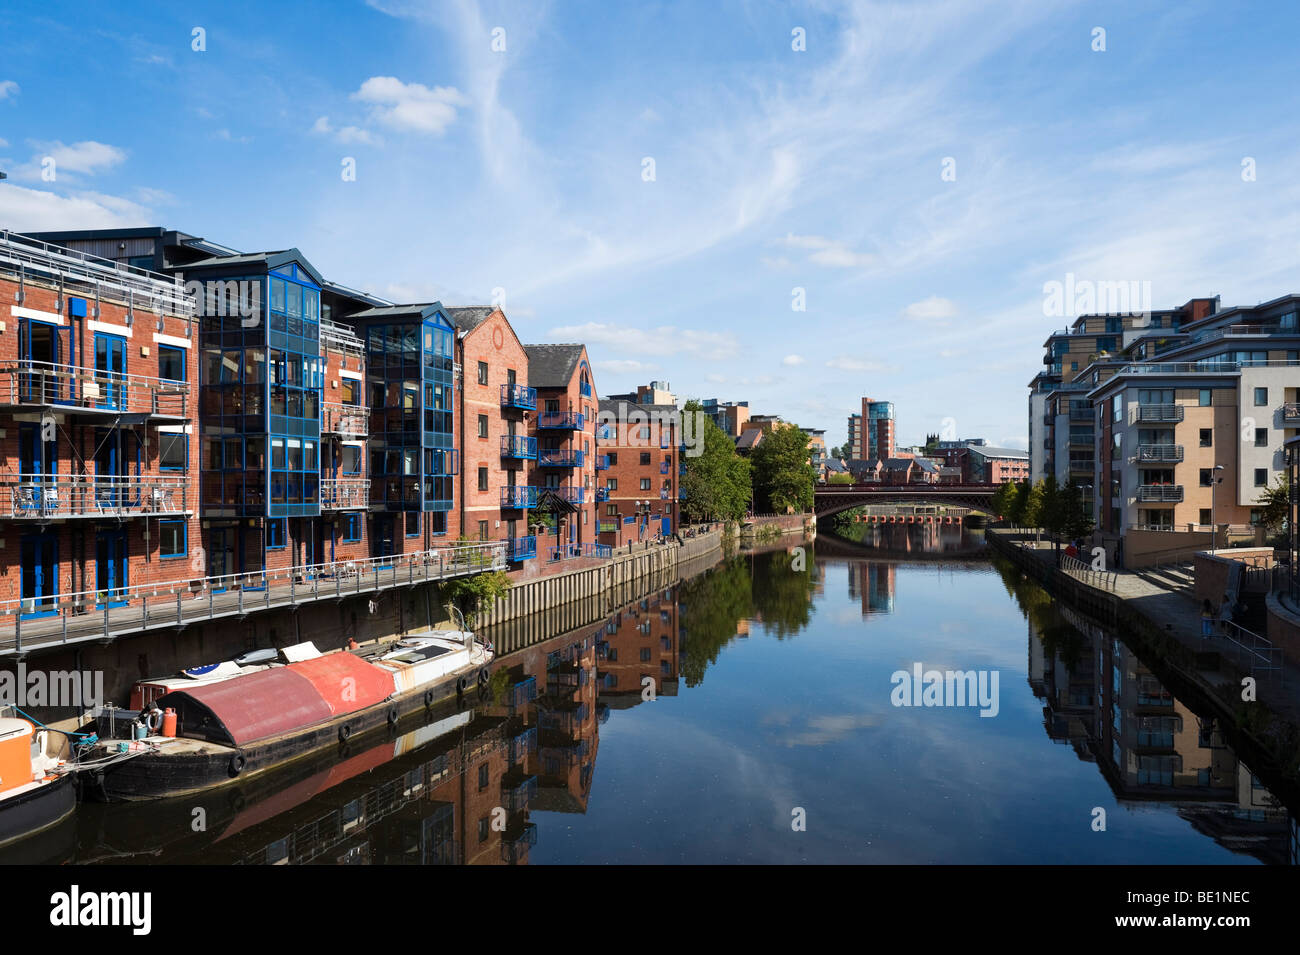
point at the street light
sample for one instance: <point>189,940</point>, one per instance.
<point>1214,532</point>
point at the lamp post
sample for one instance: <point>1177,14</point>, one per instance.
<point>1214,530</point>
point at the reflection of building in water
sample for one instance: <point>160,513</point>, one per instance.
<point>915,538</point>
<point>874,585</point>
<point>641,647</point>
<point>1149,746</point>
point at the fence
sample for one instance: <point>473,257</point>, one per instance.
<point>1086,573</point>
<point>1253,651</point>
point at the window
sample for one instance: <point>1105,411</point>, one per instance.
<point>1261,477</point>
<point>613,458</point>
<point>510,376</point>
<point>1207,437</point>
<point>412,523</point>
<point>482,530</point>
<point>173,450</point>
<point>482,426</point>
<point>612,511</point>
<point>645,484</point>
<point>351,528</point>
<point>482,479</point>
<point>645,654</point>
<point>1117,408</point>
<point>482,776</point>
<point>171,362</point>
<point>172,539</point>
<point>1205,516</point>
<point>484,827</point>
<point>1261,437</point>
<point>645,457</point>
<point>611,484</point>
<point>1206,480</point>
<point>1261,397</point>
<point>351,391</point>
<point>1204,397</point>
<point>274,533</point>
<point>482,373</point>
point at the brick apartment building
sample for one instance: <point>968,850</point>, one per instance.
<point>639,448</point>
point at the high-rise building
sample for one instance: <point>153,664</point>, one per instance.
<point>872,432</point>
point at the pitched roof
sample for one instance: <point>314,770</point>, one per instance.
<point>748,438</point>
<point>899,464</point>
<point>552,366</point>
<point>984,450</point>
<point>620,407</point>
<point>470,317</point>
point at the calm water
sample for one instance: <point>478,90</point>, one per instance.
<point>694,725</point>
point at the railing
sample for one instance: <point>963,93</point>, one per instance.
<point>602,495</point>
<point>341,338</point>
<point>1081,440</point>
<point>518,396</point>
<point>559,458</point>
<point>162,294</point>
<point>517,797</point>
<point>339,418</point>
<point>1081,414</point>
<point>65,618</point>
<point>344,493</point>
<point>518,446</point>
<point>1291,412</point>
<point>573,551</point>
<point>1160,452</point>
<point>515,845</point>
<point>567,492</point>
<point>1085,572</point>
<point>607,527</point>
<point>1255,652</point>
<point>665,493</point>
<point>518,495</point>
<point>602,462</point>
<point>1160,412</point>
<point>43,497</point>
<point>561,419</point>
<point>1160,492</point>
<point>585,388</point>
<point>521,548</point>
<point>41,383</point>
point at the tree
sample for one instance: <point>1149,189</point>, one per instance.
<point>1275,504</point>
<point>783,478</point>
<point>470,593</point>
<point>716,485</point>
<point>1051,514</point>
<point>1077,522</point>
<point>1018,504</point>
<point>1033,512</point>
<point>1003,498</point>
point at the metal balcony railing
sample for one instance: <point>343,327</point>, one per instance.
<point>602,494</point>
<point>1291,412</point>
<point>1080,414</point>
<point>665,493</point>
<point>521,693</point>
<point>602,462</point>
<point>1160,452</point>
<point>65,618</point>
<point>38,383</point>
<point>559,458</point>
<point>1160,412</point>
<point>43,497</point>
<point>518,446</point>
<point>522,745</point>
<point>515,796</point>
<point>518,396</point>
<point>1160,492</point>
<point>344,493</point>
<point>573,551</point>
<point>521,548</point>
<point>1081,440</point>
<point>518,495</point>
<point>573,420</point>
<point>516,843</point>
<point>348,420</point>
<point>665,467</point>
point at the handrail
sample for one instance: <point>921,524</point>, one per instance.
<point>24,381</point>
<point>44,496</point>
<point>1076,568</point>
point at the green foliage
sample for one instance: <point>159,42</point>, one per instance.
<point>1003,497</point>
<point>471,593</point>
<point>783,478</point>
<point>1275,503</point>
<point>716,485</point>
<point>837,478</point>
<point>1033,512</point>
<point>498,685</point>
<point>1076,521</point>
<point>1018,504</point>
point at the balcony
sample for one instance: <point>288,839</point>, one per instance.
<point>574,551</point>
<point>568,492</point>
<point>602,495</point>
<point>351,421</point>
<point>519,396</point>
<point>611,527</point>
<point>1160,452</point>
<point>344,493</point>
<point>602,462</point>
<point>1165,493</point>
<point>665,493</point>
<point>38,384</point>
<point>559,458</point>
<point>1291,413</point>
<point>517,791</point>
<point>519,446</point>
<point>38,497</point>
<point>516,843</point>
<point>585,388</point>
<point>562,420</point>
<point>518,495</point>
<point>1081,440</point>
<point>665,467</point>
<point>521,693</point>
<point>1080,414</point>
<point>522,745</point>
<point>521,548</point>
<point>1161,412</point>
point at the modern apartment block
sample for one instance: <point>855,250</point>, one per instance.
<point>980,463</point>
<point>730,416</point>
<point>872,433</point>
<point>640,467</point>
<point>564,476</point>
<point>97,365</point>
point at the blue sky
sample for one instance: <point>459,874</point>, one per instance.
<point>774,169</point>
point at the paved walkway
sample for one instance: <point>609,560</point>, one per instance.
<point>1179,615</point>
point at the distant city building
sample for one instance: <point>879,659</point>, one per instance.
<point>732,417</point>
<point>872,432</point>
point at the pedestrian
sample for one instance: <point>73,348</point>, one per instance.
<point>1225,613</point>
<point>1207,618</point>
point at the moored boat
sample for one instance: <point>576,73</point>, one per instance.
<point>246,724</point>
<point>37,787</point>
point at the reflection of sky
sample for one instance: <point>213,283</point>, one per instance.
<point>713,774</point>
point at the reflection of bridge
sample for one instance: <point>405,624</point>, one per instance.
<point>830,499</point>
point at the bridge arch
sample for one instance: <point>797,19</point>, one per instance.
<point>829,500</point>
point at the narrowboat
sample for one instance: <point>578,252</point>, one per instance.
<point>217,733</point>
<point>145,692</point>
<point>37,784</point>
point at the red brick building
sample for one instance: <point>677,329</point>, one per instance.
<point>637,496</point>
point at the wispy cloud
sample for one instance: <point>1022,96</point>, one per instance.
<point>410,107</point>
<point>8,90</point>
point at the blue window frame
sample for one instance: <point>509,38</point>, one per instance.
<point>275,533</point>
<point>171,362</point>
<point>412,523</point>
<point>173,539</point>
<point>351,528</point>
<point>173,451</point>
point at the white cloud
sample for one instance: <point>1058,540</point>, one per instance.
<point>932,309</point>
<point>410,107</point>
<point>830,253</point>
<point>792,360</point>
<point>87,157</point>
<point>225,134</point>
<point>346,135</point>
<point>8,88</point>
<point>36,210</point>
<point>665,340</point>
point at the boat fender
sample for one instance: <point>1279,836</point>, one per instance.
<point>345,731</point>
<point>462,683</point>
<point>392,715</point>
<point>154,720</point>
<point>484,676</point>
<point>428,697</point>
<point>237,764</point>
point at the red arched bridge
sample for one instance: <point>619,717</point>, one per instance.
<point>830,499</point>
